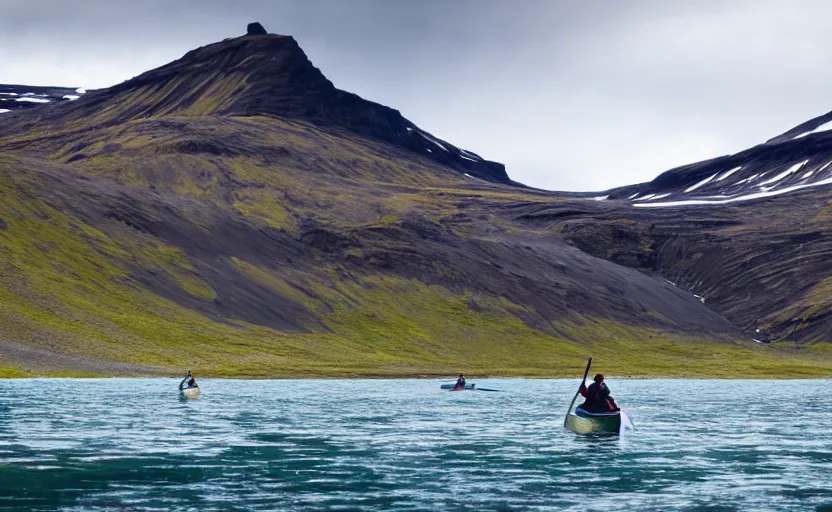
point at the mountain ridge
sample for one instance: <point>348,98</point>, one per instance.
<point>799,158</point>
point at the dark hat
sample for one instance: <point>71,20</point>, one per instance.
<point>598,378</point>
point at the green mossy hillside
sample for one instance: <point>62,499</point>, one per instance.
<point>259,246</point>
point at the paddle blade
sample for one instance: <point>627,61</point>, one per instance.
<point>626,424</point>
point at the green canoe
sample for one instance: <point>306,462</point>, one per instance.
<point>582,422</point>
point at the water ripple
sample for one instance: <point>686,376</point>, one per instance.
<point>131,444</point>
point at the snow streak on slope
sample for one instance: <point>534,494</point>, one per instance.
<point>729,173</point>
<point>822,128</point>
<point>747,197</point>
<point>700,184</point>
<point>796,167</point>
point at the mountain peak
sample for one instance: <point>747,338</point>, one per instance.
<point>266,75</point>
<point>260,74</point>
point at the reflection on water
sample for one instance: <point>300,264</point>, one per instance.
<point>123,444</point>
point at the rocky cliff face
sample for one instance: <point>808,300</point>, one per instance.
<point>748,233</point>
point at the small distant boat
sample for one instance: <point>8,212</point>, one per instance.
<point>468,387</point>
<point>191,390</point>
<point>191,393</point>
<point>585,422</point>
<point>452,387</point>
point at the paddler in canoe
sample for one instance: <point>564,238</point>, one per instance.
<point>189,387</point>
<point>460,383</point>
<point>599,414</point>
<point>597,395</point>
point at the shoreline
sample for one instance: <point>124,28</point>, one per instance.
<point>423,377</point>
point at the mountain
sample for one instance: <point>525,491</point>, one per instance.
<point>263,75</point>
<point>748,231</point>
<point>235,213</point>
<point>796,160</point>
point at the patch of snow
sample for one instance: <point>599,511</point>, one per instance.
<point>647,197</point>
<point>409,129</point>
<point>822,128</point>
<point>633,196</point>
<point>660,196</point>
<point>71,97</point>
<point>429,151</point>
<point>700,184</point>
<point>818,170</point>
<point>469,159</point>
<point>28,94</point>
<point>758,330</point>
<point>758,341</point>
<point>758,195</point>
<point>428,137</point>
<point>8,94</point>
<point>701,298</point>
<point>4,110</point>
<point>796,167</point>
<point>752,178</point>
<point>81,90</point>
<point>33,100</point>
<point>728,173</point>
<point>600,198</point>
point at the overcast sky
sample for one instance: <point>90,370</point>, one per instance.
<point>570,95</point>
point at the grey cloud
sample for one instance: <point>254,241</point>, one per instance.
<point>570,95</point>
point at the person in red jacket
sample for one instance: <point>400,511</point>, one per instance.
<point>598,397</point>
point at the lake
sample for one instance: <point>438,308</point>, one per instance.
<point>132,444</point>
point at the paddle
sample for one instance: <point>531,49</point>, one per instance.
<point>586,372</point>
<point>486,389</point>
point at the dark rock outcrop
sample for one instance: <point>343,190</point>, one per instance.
<point>255,29</point>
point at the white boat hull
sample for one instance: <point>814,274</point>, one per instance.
<point>191,393</point>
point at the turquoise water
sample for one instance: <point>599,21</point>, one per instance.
<point>122,444</point>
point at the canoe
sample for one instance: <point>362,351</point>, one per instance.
<point>584,422</point>
<point>468,387</point>
<point>191,393</point>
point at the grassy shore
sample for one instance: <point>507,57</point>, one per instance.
<point>656,358</point>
